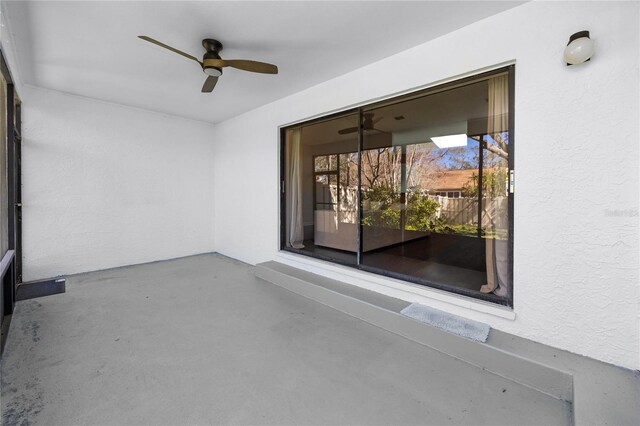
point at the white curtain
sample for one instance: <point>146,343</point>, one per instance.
<point>497,262</point>
<point>295,230</point>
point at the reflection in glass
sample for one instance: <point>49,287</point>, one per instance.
<point>432,177</point>
<point>327,205</point>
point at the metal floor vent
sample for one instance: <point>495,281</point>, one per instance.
<point>455,324</point>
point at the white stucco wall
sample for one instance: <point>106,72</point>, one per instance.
<point>106,185</point>
<point>576,154</point>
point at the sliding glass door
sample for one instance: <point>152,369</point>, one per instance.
<point>321,189</point>
<point>416,188</point>
<point>10,219</point>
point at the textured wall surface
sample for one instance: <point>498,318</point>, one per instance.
<point>106,186</point>
<point>576,155</point>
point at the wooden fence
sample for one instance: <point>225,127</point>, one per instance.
<point>464,211</point>
<point>455,211</point>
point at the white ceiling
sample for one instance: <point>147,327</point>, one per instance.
<point>91,48</point>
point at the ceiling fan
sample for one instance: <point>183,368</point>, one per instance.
<point>212,63</point>
<point>367,124</point>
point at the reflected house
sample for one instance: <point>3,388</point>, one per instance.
<point>448,183</point>
<point>454,183</point>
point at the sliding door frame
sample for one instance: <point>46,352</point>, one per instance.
<point>283,188</point>
<point>507,300</point>
<point>9,275</point>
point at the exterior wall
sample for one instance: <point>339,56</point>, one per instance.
<point>106,185</point>
<point>577,160</point>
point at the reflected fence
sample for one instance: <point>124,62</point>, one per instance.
<point>452,210</point>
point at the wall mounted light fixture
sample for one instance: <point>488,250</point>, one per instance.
<point>579,49</point>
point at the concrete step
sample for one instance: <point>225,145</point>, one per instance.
<point>384,312</point>
<point>600,393</point>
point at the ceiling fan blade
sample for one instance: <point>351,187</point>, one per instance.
<point>245,65</point>
<point>166,46</point>
<point>209,84</point>
<point>347,130</point>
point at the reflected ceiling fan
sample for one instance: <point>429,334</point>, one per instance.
<point>367,124</point>
<point>212,63</point>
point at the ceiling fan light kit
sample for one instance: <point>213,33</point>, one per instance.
<point>213,47</point>
<point>212,63</point>
<point>212,71</point>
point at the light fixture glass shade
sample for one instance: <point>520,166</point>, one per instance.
<point>579,50</point>
<point>212,71</point>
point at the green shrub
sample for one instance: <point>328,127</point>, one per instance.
<point>421,213</point>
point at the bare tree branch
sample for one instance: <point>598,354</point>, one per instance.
<point>497,151</point>
<point>501,142</point>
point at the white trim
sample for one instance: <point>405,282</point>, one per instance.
<point>403,290</point>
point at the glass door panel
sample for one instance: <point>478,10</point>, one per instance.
<point>321,187</point>
<point>495,191</point>
<point>424,218</point>
<point>416,188</point>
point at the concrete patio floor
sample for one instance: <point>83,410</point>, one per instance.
<point>201,340</point>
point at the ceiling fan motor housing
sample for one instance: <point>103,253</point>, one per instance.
<point>213,47</point>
